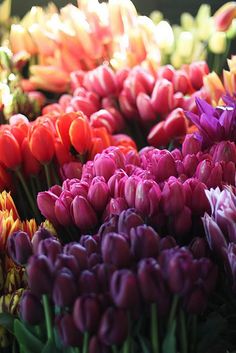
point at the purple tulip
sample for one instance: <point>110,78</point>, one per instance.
<point>39,235</point>
<point>199,247</point>
<point>31,309</point>
<point>64,288</point>
<point>90,244</point>
<point>103,274</point>
<point>173,197</point>
<point>49,247</point>
<point>113,328</point>
<point>88,282</point>
<point>87,313</point>
<point>67,261</point>
<point>128,219</point>
<point>62,208</point>
<point>68,332</point>
<point>144,242</point>
<point>147,197</point>
<point>40,275</point>
<point>115,250</point>
<point>19,247</point>
<point>195,300</point>
<point>224,151</point>
<point>79,252</point>
<point>96,346</point>
<point>46,203</point>
<point>71,170</point>
<point>124,289</point>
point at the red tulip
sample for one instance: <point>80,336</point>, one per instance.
<point>41,142</point>
<point>10,154</point>
<point>80,134</point>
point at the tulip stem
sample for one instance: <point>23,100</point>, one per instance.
<point>47,173</point>
<point>183,334</point>
<point>173,309</point>
<point>28,195</point>
<point>154,329</point>
<point>114,349</point>
<point>48,317</point>
<point>85,342</point>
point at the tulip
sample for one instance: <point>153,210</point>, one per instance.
<point>147,197</point>
<point>124,289</point>
<point>224,151</point>
<point>181,81</point>
<point>88,282</point>
<point>157,136</point>
<point>182,222</point>
<point>195,301</point>
<point>19,247</point>
<point>144,242</point>
<point>62,208</point>
<point>98,194</point>
<point>224,16</point>
<point>104,166</point>
<point>79,252</point>
<point>39,137</point>
<point>39,235</point>
<point>39,275</point>
<point>90,243</point>
<point>191,145</point>
<point>46,203</point>
<point>113,328</point>
<point>66,261</point>
<point>82,104</point>
<point>64,288</point>
<point>209,174</point>
<point>145,108</point>
<point>103,274</point>
<point>167,242</point>
<point>197,70</point>
<point>162,98</point>
<point>163,165</point>
<point>80,134</point>
<point>10,155</point>
<point>199,247</point>
<point>190,163</point>
<point>31,309</point>
<point>49,247</point>
<point>30,163</point>
<point>104,118</point>
<point>208,272</point>
<point>71,170</point>
<point>175,124</point>
<point>173,197</point>
<point>214,235</point>
<point>68,332</point>
<point>102,80</point>
<point>128,219</point>
<point>218,42</point>
<point>115,250</point>
<point>86,313</point>
<point>83,214</point>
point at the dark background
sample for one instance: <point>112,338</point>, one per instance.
<point>170,8</point>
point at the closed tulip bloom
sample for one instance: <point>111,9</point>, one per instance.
<point>173,197</point>
<point>88,282</point>
<point>80,134</point>
<point>62,208</point>
<point>197,70</point>
<point>162,98</point>
<point>191,145</point>
<point>10,155</point>
<point>39,137</point>
<point>147,197</point>
<point>31,309</point>
<point>182,222</point>
<point>128,219</point>
<point>83,213</point>
<point>163,165</point>
<point>49,247</point>
<point>124,289</point>
<point>144,242</point>
<point>195,301</point>
<point>199,247</point>
<point>157,135</point>
<point>209,173</point>
<point>68,332</point>
<point>41,234</point>
<point>39,275</point>
<point>98,194</point>
<point>46,204</point>
<point>87,313</point>
<point>115,250</point>
<point>104,273</point>
<point>30,164</point>
<point>64,288</point>
<point>130,189</point>
<point>145,108</point>
<point>79,252</point>
<point>113,328</point>
<point>167,242</point>
<point>104,166</point>
<point>175,124</point>
<point>90,243</point>
<point>208,272</point>
<point>19,247</point>
<point>224,151</point>
<point>71,170</point>
<point>67,261</point>
<point>190,163</point>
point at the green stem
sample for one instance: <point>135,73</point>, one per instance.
<point>194,334</point>
<point>48,317</point>
<point>55,175</point>
<point>126,345</point>
<point>154,329</point>
<point>183,333</point>
<point>173,309</point>
<point>85,342</point>
<point>28,195</point>
<point>217,63</point>
<point>47,173</point>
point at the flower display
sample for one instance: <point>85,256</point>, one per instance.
<point>117,180</point>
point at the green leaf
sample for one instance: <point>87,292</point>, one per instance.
<point>26,338</point>
<point>169,343</point>
<point>50,347</point>
<point>7,321</point>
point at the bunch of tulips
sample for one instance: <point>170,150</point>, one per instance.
<point>117,181</point>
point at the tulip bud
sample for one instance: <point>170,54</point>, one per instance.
<point>128,219</point>
<point>115,250</point>
<point>167,242</point>
<point>103,274</point>
<point>88,282</point>
<point>71,170</point>
<point>197,70</point>
<point>144,242</point>
<point>39,235</point>
<point>86,313</point>
<point>173,197</point>
<point>98,194</point>
<point>79,252</point>
<point>96,346</point>
<point>209,173</point>
<point>19,247</point>
<point>157,136</point>
<point>68,332</point>
<point>46,204</point>
<point>80,134</point>
<point>145,108</point>
<point>64,288</point>
<point>124,289</point>
<point>90,243</point>
<point>182,222</point>
<point>224,151</point>
<point>66,261</point>
<point>39,137</point>
<point>39,275</point>
<point>163,165</point>
<point>10,155</point>
<point>175,124</point>
<point>83,214</point>
<point>162,98</point>
<point>217,42</point>
<point>199,247</point>
<point>31,309</point>
<point>49,247</point>
<point>113,328</point>
<point>147,197</point>
<point>30,164</point>
<point>104,166</point>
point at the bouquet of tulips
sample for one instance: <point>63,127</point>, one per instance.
<point>117,181</point>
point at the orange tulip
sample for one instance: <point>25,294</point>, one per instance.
<point>80,134</point>
<point>10,153</point>
<point>31,165</point>
<point>41,142</point>
<point>63,124</point>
